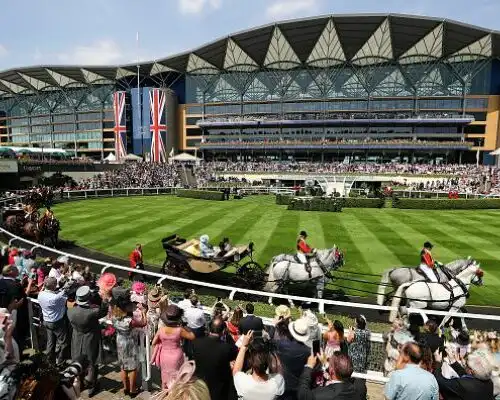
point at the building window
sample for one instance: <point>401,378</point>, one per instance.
<point>89,116</point>
<point>476,103</point>
<point>475,129</point>
<point>194,109</point>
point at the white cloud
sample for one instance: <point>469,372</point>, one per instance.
<point>282,9</point>
<point>197,6</point>
<point>3,50</point>
<point>102,52</point>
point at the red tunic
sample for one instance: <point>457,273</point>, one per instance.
<point>426,258</point>
<point>303,247</point>
<point>135,258</point>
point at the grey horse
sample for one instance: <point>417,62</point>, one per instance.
<point>395,277</point>
<point>285,269</point>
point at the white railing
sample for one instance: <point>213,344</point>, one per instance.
<point>233,290</point>
<point>7,201</point>
<point>113,192</point>
<point>442,194</point>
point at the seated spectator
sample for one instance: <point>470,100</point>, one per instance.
<point>431,337</point>
<point>292,351</point>
<point>359,345</point>
<point>339,386</point>
<point>264,381</point>
<point>251,323</point>
<point>472,382</point>
<point>126,343</point>
<point>212,357</point>
<point>167,353</point>
<point>409,381</point>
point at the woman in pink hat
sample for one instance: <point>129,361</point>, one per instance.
<point>106,282</point>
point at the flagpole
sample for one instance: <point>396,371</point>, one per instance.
<point>139,111</point>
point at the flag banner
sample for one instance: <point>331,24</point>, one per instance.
<point>157,100</point>
<point>120,128</point>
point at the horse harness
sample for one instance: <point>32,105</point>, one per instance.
<point>450,289</point>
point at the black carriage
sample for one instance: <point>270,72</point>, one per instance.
<point>183,257</point>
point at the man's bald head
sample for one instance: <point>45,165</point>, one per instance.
<point>217,326</point>
<point>412,352</point>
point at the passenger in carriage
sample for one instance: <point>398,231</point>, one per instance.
<point>427,263</point>
<point>304,251</point>
<point>206,249</point>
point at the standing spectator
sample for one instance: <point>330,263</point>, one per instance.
<point>56,271</point>
<point>233,324</point>
<point>212,358</point>
<point>314,330</point>
<point>77,274</point>
<point>86,339</point>
<point>409,381</point>
<point>430,337</point>
<point>167,353</point>
<point>293,351</point>
<point>264,381</point>
<point>195,317</point>
<point>27,262</point>
<point>53,305</point>
<point>186,302</point>
<point>153,313</point>
<point>251,323</point>
<point>334,338</point>
<point>470,383</point>
<point>126,343</point>
<point>338,387</point>
<point>359,345</point>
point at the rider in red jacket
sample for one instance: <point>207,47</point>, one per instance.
<point>427,262</point>
<point>303,249</point>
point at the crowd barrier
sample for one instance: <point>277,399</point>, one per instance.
<point>438,195</point>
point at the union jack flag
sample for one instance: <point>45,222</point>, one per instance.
<point>120,127</point>
<point>157,106</point>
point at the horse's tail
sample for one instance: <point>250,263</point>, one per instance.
<point>396,300</point>
<point>381,287</point>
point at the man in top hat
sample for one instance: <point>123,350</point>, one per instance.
<point>86,338</point>
<point>427,263</point>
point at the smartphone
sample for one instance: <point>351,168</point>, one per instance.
<point>316,347</point>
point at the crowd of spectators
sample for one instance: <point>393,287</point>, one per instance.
<point>229,354</point>
<point>135,175</point>
<point>335,142</point>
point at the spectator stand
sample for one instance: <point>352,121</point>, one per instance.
<point>374,377</point>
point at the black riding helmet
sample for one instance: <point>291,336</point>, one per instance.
<point>303,233</point>
<point>428,245</point>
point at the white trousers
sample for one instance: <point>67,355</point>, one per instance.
<point>429,272</point>
<point>302,258</point>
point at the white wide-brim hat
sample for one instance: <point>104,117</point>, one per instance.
<point>299,330</point>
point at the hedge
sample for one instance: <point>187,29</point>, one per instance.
<point>446,204</point>
<point>283,199</point>
<point>316,204</point>
<point>359,202</point>
<point>200,194</point>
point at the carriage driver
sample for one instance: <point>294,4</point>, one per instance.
<point>427,263</point>
<point>304,252</point>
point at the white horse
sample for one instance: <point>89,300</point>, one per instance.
<point>395,277</point>
<point>436,296</point>
<point>285,268</point>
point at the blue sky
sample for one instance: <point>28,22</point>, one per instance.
<point>99,32</point>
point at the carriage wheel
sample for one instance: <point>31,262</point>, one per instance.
<point>251,275</point>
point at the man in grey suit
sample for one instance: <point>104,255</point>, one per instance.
<point>86,339</point>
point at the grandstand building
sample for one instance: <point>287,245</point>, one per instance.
<point>357,87</point>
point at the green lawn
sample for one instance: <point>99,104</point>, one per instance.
<point>373,239</point>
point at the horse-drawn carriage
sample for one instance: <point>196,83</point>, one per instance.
<point>183,257</point>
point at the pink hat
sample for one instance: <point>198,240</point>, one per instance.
<point>107,281</point>
<point>138,287</point>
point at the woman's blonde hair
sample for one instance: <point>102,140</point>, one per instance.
<point>192,390</point>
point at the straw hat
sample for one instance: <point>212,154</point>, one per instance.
<point>155,294</point>
<point>282,312</point>
<point>299,329</point>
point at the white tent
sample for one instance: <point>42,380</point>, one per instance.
<point>132,157</point>
<point>110,157</point>
<point>183,157</point>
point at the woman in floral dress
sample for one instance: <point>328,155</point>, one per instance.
<point>359,345</point>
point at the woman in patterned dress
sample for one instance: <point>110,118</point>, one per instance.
<point>359,345</point>
<point>126,343</point>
